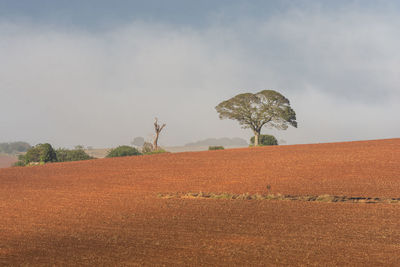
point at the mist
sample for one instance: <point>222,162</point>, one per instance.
<point>69,86</point>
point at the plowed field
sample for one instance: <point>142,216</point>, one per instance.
<point>106,211</point>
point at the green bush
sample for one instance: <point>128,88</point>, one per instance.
<point>47,153</point>
<point>265,140</point>
<point>40,153</point>
<point>71,155</point>
<point>32,155</point>
<point>19,163</point>
<point>158,151</point>
<point>123,151</point>
<point>216,148</point>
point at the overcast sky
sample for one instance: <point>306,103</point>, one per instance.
<point>96,73</point>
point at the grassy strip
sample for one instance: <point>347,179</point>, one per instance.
<point>246,196</point>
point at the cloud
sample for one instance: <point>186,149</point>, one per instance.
<point>103,88</point>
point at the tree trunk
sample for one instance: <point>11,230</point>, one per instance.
<point>158,129</point>
<point>256,135</point>
<point>155,143</point>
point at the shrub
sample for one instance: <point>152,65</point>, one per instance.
<point>216,148</point>
<point>123,151</point>
<point>19,163</point>
<point>47,153</point>
<point>158,151</point>
<point>40,153</point>
<point>265,140</point>
<point>62,154</point>
<point>78,154</point>
<point>32,155</point>
<point>71,155</point>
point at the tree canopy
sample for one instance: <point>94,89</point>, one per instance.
<point>40,153</point>
<point>123,151</point>
<point>253,111</point>
<point>76,154</point>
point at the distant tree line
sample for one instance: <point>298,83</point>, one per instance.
<point>14,147</point>
<point>76,154</point>
<point>44,153</point>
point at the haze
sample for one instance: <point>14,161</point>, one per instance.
<point>98,73</point>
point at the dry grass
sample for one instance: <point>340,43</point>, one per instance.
<point>247,196</point>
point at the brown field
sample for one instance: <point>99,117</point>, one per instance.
<point>107,212</point>
<point>7,161</point>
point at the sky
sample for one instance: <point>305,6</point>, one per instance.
<point>97,73</point>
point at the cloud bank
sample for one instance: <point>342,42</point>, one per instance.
<point>103,88</point>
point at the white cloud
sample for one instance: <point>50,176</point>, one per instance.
<point>340,71</point>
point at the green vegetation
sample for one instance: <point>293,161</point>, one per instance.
<point>216,148</point>
<point>123,151</point>
<point>19,163</point>
<point>253,111</point>
<point>44,153</point>
<point>158,151</point>
<point>14,147</point>
<point>40,153</point>
<point>76,154</point>
<point>265,140</point>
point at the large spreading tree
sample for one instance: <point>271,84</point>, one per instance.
<point>253,111</point>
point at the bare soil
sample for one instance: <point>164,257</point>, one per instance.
<point>106,211</point>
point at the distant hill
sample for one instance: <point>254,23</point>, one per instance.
<point>224,141</point>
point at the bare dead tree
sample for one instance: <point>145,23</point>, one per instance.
<point>158,128</point>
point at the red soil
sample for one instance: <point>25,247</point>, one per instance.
<point>106,211</point>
